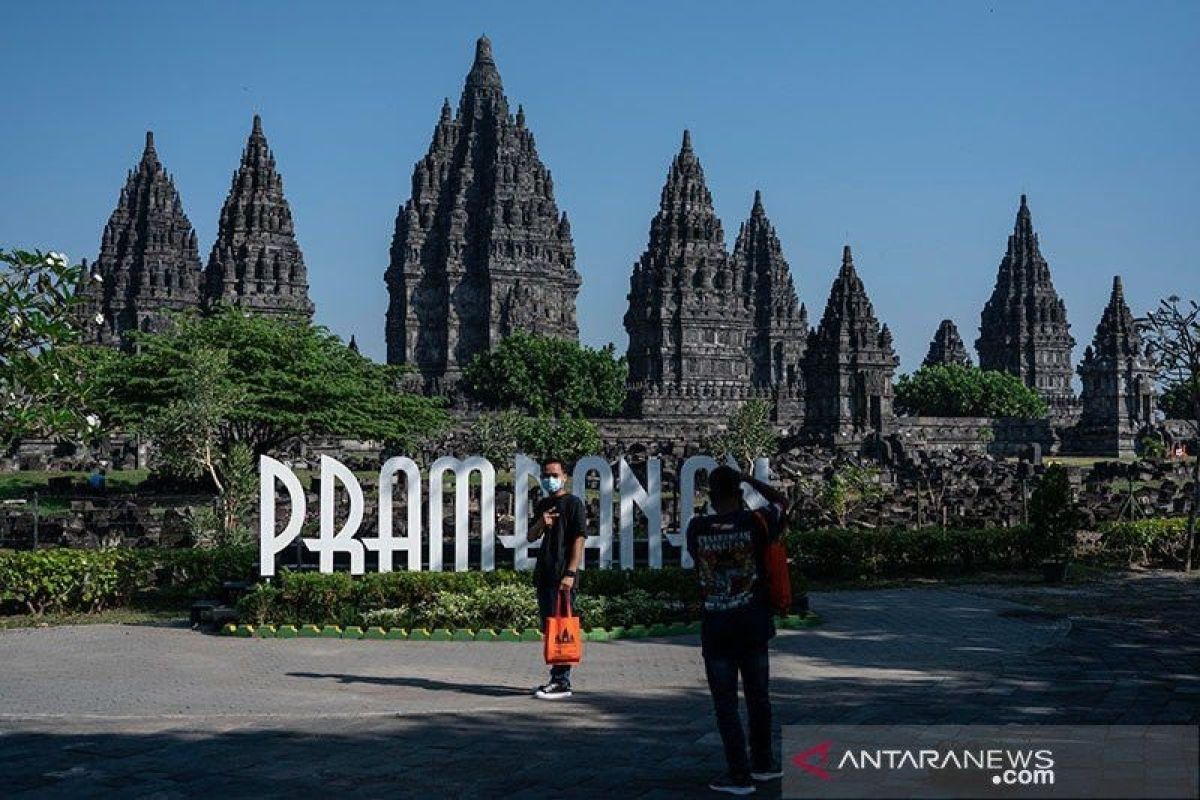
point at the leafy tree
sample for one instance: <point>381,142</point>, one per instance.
<point>1179,399</point>
<point>261,381</point>
<point>845,489</point>
<point>41,386</point>
<point>1172,336</point>
<point>748,434</point>
<point>952,390</point>
<point>500,435</point>
<point>546,375</point>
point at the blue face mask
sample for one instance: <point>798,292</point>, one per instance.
<point>552,484</point>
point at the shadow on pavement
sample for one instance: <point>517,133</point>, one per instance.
<point>419,683</point>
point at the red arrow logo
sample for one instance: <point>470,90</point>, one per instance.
<point>821,752</point>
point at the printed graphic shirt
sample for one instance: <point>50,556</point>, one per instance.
<point>729,553</point>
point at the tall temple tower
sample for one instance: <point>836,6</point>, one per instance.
<point>480,249</point>
<point>1023,328</point>
<point>947,348</point>
<point>255,263</point>
<point>149,264</point>
<point>1118,385</point>
<point>849,366</point>
<point>690,314</point>
<point>780,320</point>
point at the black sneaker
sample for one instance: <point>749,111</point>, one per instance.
<point>769,773</point>
<point>730,785</point>
<point>553,691</point>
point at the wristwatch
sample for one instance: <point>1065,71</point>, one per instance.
<point>569,573</point>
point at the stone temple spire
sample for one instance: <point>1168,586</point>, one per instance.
<point>149,264</point>
<point>1023,328</point>
<point>947,348</point>
<point>1118,398</point>
<point>689,315</point>
<point>480,249</point>
<point>849,366</point>
<point>256,264</point>
<point>780,322</point>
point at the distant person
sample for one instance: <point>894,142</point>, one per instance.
<point>558,522</point>
<point>729,550</point>
<point>98,479</point>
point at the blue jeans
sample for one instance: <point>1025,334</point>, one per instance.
<point>547,596</point>
<point>722,673</point>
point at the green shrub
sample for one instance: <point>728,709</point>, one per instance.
<point>843,554</point>
<point>261,605</point>
<point>1053,513</point>
<point>66,580</point>
<point>1155,542</point>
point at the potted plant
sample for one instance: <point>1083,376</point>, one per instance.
<point>1055,517</point>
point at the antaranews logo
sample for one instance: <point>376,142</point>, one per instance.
<point>978,762</point>
<point>1008,766</point>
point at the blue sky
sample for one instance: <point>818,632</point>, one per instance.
<point>906,129</point>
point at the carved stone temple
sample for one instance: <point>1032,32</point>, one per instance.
<point>1118,397</point>
<point>707,330</point>
<point>849,366</point>
<point>480,249</point>
<point>149,264</point>
<point>1023,329</point>
<point>947,348</point>
<point>255,263</point>
<point>780,321</point>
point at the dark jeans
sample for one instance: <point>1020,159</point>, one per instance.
<point>722,673</point>
<point>547,596</point>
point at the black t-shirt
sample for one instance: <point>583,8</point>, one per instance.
<point>729,551</point>
<point>557,542</point>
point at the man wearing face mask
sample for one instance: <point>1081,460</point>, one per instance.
<point>558,522</point>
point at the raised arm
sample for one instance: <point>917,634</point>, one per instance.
<point>768,491</point>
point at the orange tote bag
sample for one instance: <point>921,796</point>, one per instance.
<point>563,642</point>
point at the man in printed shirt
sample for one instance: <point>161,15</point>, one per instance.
<point>729,550</point>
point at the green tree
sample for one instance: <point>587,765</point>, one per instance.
<point>41,376</point>
<point>957,391</point>
<point>748,434</point>
<point>545,375</point>
<point>1179,399</point>
<point>498,436</point>
<point>266,380</point>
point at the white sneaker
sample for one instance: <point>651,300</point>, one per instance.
<point>553,691</point>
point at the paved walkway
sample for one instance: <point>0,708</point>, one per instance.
<point>164,712</point>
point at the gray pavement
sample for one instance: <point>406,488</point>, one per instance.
<point>147,711</point>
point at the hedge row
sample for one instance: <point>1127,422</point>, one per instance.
<point>499,599</point>
<point>67,580</point>
<point>842,553</point>
<point>63,580</point>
